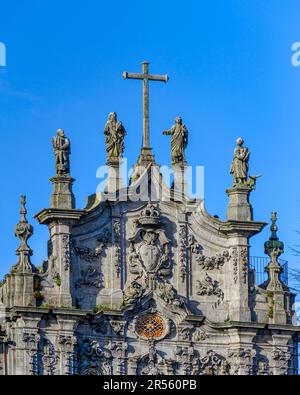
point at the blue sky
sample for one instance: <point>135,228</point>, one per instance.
<point>230,72</point>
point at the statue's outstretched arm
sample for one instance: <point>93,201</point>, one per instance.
<point>168,132</point>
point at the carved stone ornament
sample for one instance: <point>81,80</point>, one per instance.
<point>117,246</point>
<point>282,359</point>
<point>49,358</point>
<point>149,246</point>
<point>94,359</point>
<point>66,253</point>
<point>213,262</point>
<point>149,259</point>
<point>89,255</point>
<point>182,251</point>
<point>241,361</point>
<point>133,292</point>
<point>208,286</point>
<point>200,335</point>
<point>154,363</point>
<point>23,231</point>
<point>31,341</point>
<point>90,277</point>
<point>186,360</point>
<point>235,257</point>
<point>168,293</point>
<point>214,364</point>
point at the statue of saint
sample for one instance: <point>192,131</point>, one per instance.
<point>115,133</point>
<point>239,165</point>
<point>179,141</point>
<point>61,146</point>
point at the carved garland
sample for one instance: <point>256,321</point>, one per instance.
<point>244,260</point>
<point>214,262</point>
<point>89,255</point>
<point>117,235</point>
<point>66,251</point>
<point>235,264</point>
<point>182,252</point>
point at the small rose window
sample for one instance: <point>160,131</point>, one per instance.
<point>150,326</point>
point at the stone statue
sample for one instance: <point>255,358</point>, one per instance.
<point>115,133</point>
<point>61,146</point>
<point>179,141</point>
<point>239,165</point>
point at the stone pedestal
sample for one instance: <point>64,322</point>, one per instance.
<point>146,156</point>
<point>114,179</point>
<point>62,196</point>
<point>180,185</point>
<point>239,208</point>
<point>19,289</point>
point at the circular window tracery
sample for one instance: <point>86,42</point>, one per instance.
<point>150,326</point>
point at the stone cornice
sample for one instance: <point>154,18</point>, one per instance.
<point>247,228</point>
<point>46,216</point>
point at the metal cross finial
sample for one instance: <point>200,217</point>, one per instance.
<point>146,77</point>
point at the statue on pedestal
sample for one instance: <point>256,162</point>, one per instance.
<point>239,165</point>
<point>179,141</point>
<point>115,133</point>
<point>61,146</point>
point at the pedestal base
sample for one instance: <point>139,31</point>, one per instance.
<point>146,157</point>
<point>114,179</point>
<point>239,208</point>
<point>62,196</point>
<point>180,186</point>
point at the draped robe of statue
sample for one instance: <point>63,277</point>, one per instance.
<point>179,141</point>
<point>115,134</point>
<point>61,146</point>
<point>239,165</point>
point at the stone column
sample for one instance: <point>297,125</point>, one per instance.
<point>60,240</point>
<point>60,224</point>
<point>239,298</point>
<point>238,233</point>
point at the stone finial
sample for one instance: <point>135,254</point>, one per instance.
<point>274,248</point>
<point>23,231</point>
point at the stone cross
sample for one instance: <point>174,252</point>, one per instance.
<point>145,76</point>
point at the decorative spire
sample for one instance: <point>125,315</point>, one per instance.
<point>23,231</point>
<point>274,248</point>
<point>273,244</point>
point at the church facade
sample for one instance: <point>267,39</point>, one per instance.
<point>143,280</point>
